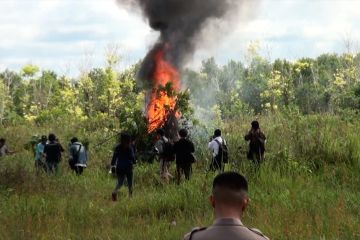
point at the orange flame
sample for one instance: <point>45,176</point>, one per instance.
<point>160,103</point>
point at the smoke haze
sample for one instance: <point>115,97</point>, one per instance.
<point>180,23</point>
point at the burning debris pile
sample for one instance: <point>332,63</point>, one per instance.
<point>180,23</point>
<point>163,101</point>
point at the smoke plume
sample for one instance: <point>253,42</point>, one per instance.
<point>180,23</point>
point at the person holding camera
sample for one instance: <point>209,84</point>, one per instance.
<point>257,141</point>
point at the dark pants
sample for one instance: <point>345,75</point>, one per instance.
<point>51,167</point>
<point>256,157</point>
<point>128,173</point>
<point>40,166</point>
<point>183,169</point>
<point>216,164</point>
<point>79,170</point>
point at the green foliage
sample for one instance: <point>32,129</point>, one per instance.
<point>327,84</point>
<point>309,178</point>
<point>30,70</point>
<point>308,109</point>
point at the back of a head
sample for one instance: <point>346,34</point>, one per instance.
<point>217,133</point>
<point>230,188</point>
<point>2,140</point>
<point>74,140</point>
<point>183,133</point>
<point>52,137</point>
<point>255,125</point>
<point>125,139</point>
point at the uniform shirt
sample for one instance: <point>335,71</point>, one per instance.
<point>53,152</point>
<point>183,150</point>
<point>214,146</point>
<point>39,151</point>
<point>77,148</point>
<point>4,150</point>
<point>226,229</point>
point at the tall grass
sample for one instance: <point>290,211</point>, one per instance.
<point>308,187</point>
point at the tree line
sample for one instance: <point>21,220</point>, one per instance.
<point>329,83</point>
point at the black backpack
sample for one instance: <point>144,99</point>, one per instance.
<point>223,152</point>
<point>168,151</point>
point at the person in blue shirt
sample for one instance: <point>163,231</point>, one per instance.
<point>123,159</point>
<point>39,151</point>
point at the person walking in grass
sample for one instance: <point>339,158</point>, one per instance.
<point>184,150</point>
<point>257,140</point>
<point>4,150</point>
<point>78,156</point>
<point>52,154</point>
<point>229,200</point>
<point>39,154</point>
<point>164,150</point>
<point>123,159</point>
<point>217,146</point>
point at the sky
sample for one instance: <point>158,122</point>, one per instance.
<point>69,35</point>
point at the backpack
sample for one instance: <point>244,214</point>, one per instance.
<point>168,151</point>
<point>75,159</point>
<point>223,151</point>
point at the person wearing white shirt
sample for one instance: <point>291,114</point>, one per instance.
<point>214,145</point>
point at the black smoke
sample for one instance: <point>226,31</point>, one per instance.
<point>180,23</point>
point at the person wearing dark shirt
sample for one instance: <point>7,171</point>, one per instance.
<point>257,141</point>
<point>123,159</point>
<point>184,150</point>
<point>52,154</point>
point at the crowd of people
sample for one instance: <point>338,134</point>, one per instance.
<point>182,153</point>
<point>48,154</point>
<point>229,195</point>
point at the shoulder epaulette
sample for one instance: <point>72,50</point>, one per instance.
<point>195,230</point>
<point>258,232</point>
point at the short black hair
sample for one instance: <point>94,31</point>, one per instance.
<point>2,140</point>
<point>217,133</point>
<point>74,139</point>
<point>43,138</point>
<point>255,125</point>
<point>183,133</point>
<point>125,138</point>
<point>231,181</point>
<point>161,132</point>
<point>52,137</point>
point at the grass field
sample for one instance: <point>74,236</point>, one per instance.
<point>308,188</point>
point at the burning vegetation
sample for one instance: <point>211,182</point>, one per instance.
<point>180,24</point>
<point>163,100</point>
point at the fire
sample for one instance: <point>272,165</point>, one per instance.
<point>161,104</point>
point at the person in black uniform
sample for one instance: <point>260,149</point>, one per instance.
<point>184,150</point>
